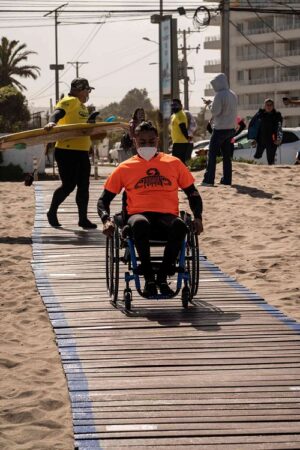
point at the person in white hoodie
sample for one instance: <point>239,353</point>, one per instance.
<point>224,113</point>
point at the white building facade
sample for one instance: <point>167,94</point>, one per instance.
<point>264,60</point>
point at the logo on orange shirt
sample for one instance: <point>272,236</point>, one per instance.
<point>154,178</point>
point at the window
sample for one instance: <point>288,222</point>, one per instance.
<point>289,137</point>
<point>240,75</point>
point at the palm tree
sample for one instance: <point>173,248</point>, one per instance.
<point>11,55</point>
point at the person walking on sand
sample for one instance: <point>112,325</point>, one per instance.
<point>179,132</point>
<point>224,113</point>
<point>72,155</point>
<point>265,128</point>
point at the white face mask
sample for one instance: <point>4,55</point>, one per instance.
<point>147,153</point>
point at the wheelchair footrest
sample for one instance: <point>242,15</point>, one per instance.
<point>156,268</point>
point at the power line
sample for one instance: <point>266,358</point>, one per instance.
<point>124,67</point>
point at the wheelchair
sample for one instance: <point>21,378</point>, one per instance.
<point>120,249</point>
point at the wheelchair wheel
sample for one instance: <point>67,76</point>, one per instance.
<point>185,297</point>
<point>193,253</point>
<point>112,265</point>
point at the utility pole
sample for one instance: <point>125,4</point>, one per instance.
<point>77,64</point>
<point>161,13</point>
<point>57,67</point>
<point>186,77</point>
<point>184,65</point>
<point>225,48</point>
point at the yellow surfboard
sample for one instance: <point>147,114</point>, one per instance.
<point>41,136</point>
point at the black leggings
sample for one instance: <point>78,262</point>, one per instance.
<point>270,149</point>
<point>74,169</point>
<point>161,227</point>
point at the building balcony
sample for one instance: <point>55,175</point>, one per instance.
<point>279,27</point>
<point>283,53</point>
<point>252,107</point>
<point>257,81</point>
<point>280,79</point>
<point>212,66</point>
<point>260,55</point>
<point>212,43</point>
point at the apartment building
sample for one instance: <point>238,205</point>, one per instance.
<point>264,59</point>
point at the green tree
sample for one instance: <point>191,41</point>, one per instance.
<point>12,56</point>
<point>14,113</point>
<point>135,98</point>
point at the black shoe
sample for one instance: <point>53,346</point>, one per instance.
<point>52,219</point>
<point>150,289</point>
<point>87,224</point>
<point>165,289</point>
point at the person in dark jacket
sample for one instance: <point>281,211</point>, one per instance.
<point>265,129</point>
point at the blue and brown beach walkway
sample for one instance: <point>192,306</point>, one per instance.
<point>223,375</point>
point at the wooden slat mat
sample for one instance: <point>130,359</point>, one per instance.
<point>223,375</point>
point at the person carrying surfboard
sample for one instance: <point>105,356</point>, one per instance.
<point>72,155</point>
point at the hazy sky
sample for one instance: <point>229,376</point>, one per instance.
<point>118,58</point>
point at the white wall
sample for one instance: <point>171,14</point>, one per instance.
<point>24,158</point>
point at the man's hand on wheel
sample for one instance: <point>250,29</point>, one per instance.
<point>198,226</point>
<point>108,228</point>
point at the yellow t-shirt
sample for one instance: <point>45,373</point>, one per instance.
<point>76,112</point>
<point>176,133</point>
<point>151,185</point>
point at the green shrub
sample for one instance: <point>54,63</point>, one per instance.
<point>246,161</point>
<point>11,173</point>
<point>198,163</point>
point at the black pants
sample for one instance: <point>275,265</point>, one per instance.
<point>270,149</point>
<point>161,226</point>
<point>220,141</point>
<point>182,151</point>
<point>74,169</point>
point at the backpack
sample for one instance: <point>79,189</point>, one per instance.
<point>254,126</point>
<point>126,141</point>
<point>192,124</point>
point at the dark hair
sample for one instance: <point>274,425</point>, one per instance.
<point>177,100</point>
<point>134,115</point>
<point>145,126</point>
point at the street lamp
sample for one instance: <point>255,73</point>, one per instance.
<point>150,40</point>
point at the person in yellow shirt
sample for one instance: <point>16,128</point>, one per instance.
<point>179,132</point>
<point>72,155</point>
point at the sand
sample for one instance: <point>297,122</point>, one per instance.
<point>251,232</point>
<point>34,402</point>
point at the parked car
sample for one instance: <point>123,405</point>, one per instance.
<point>113,154</point>
<point>286,152</point>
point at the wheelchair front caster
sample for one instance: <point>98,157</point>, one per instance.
<point>185,297</point>
<point>127,297</point>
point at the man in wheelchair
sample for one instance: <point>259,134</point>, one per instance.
<point>151,180</point>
